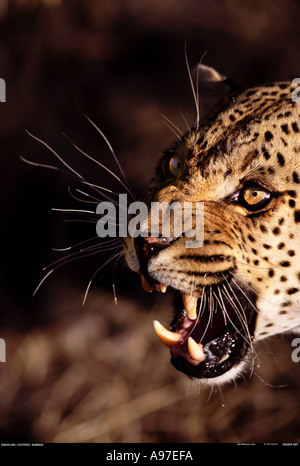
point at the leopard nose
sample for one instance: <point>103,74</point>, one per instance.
<point>150,246</point>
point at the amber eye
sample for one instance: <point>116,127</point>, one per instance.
<point>254,197</point>
<point>175,165</point>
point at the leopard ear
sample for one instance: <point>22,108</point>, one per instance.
<point>214,90</point>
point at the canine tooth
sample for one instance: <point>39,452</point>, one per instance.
<point>190,305</point>
<point>163,288</point>
<point>166,337</point>
<point>146,285</point>
<point>196,350</point>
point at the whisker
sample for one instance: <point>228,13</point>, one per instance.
<point>197,83</point>
<point>71,171</point>
<point>95,273</point>
<point>81,211</point>
<point>222,306</point>
<point>193,87</point>
<point>210,317</point>
<point>112,152</point>
<point>244,294</point>
<point>79,199</point>
<point>42,281</point>
<point>186,123</point>
<point>172,126</point>
<point>100,165</point>
<point>79,255</point>
<point>244,325</point>
<point>113,282</point>
<point>83,242</point>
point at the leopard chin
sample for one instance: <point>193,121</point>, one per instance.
<point>210,336</point>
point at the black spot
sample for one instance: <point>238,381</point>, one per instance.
<point>256,262</point>
<point>291,253</point>
<point>280,158</point>
<point>283,278</point>
<point>297,216</point>
<point>292,193</point>
<point>296,178</point>
<point>281,221</point>
<point>295,127</point>
<point>265,153</point>
<point>268,136</point>
<point>251,239</point>
<point>285,264</point>
<point>276,231</point>
<point>292,290</point>
<point>280,245</point>
<point>263,229</point>
<point>285,129</point>
<point>271,273</point>
<point>291,203</point>
<point>267,246</point>
<point>282,312</point>
<point>271,170</point>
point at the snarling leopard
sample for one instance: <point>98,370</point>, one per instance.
<point>241,160</point>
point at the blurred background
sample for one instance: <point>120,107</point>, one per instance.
<point>98,373</point>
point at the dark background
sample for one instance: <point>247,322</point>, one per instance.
<point>99,374</point>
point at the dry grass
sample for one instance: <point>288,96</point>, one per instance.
<point>100,375</point>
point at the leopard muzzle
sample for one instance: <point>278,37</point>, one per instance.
<point>214,319</point>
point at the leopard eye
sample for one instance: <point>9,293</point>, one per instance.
<point>175,165</point>
<point>254,197</point>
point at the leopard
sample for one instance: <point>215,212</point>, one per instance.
<point>240,160</point>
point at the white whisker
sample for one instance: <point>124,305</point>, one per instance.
<point>112,152</point>
<point>178,133</point>
<point>100,165</point>
<point>94,275</point>
<point>193,87</point>
<point>41,282</point>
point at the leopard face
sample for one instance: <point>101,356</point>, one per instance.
<point>243,284</point>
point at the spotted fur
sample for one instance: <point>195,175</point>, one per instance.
<point>243,136</point>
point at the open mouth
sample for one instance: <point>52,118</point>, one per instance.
<point>211,333</point>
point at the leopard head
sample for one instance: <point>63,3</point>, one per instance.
<point>241,283</point>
